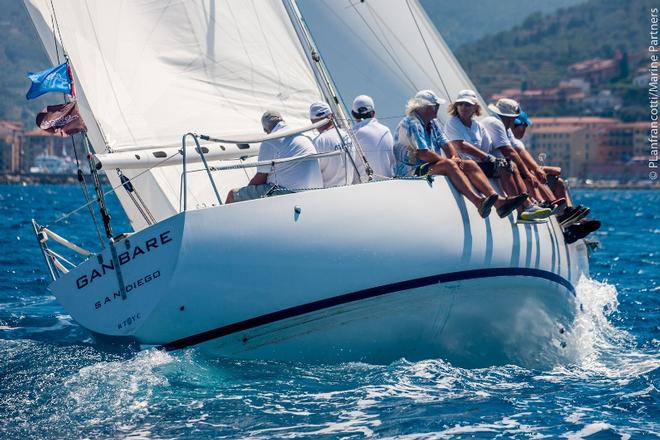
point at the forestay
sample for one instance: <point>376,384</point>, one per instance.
<point>387,49</point>
<point>148,72</point>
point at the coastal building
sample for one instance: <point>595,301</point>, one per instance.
<point>563,146</point>
<point>605,151</point>
<point>11,136</point>
<point>602,103</point>
<point>641,132</point>
<point>36,143</point>
<point>598,70</point>
<point>532,99</point>
<point>595,128</point>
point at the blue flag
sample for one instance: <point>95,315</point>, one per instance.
<point>55,79</point>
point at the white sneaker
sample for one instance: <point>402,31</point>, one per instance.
<point>535,212</point>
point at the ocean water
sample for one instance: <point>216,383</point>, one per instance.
<point>56,382</point>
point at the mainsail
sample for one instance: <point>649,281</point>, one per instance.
<point>387,49</point>
<point>149,72</point>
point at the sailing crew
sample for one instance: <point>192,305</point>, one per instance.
<point>375,138</point>
<point>472,143</point>
<point>537,183</point>
<point>573,220</point>
<point>280,178</point>
<point>419,143</point>
<point>336,170</point>
<point>505,112</point>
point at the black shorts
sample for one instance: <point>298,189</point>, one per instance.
<point>494,169</point>
<point>488,168</point>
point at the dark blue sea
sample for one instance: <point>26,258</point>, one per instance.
<point>56,382</point>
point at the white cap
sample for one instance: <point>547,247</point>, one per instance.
<point>363,104</point>
<point>319,110</point>
<point>430,97</point>
<point>468,96</point>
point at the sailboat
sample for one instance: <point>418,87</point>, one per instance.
<point>375,271</point>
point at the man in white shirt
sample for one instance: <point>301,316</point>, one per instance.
<point>374,138</point>
<point>506,110</point>
<point>336,170</point>
<point>282,177</point>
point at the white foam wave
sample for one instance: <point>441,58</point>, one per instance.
<point>596,345</point>
<point>119,390</point>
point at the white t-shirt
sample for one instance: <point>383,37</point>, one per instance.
<point>377,144</point>
<point>336,170</point>
<point>474,134</point>
<point>515,142</point>
<point>292,175</point>
<point>497,132</point>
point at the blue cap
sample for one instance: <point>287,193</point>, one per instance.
<point>523,119</point>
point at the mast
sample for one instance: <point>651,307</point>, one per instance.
<point>324,80</point>
<point>318,67</point>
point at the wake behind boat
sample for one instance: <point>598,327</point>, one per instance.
<point>372,271</point>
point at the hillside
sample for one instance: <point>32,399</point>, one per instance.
<point>468,20</point>
<point>538,52</point>
<point>20,52</point>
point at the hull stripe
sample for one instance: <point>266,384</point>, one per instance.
<point>361,295</point>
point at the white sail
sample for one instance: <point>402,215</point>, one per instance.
<point>387,49</point>
<point>149,72</point>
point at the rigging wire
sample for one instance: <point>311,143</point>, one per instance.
<point>59,33</point>
<point>324,79</point>
<point>135,197</point>
<point>435,66</point>
<point>113,189</point>
<point>85,191</point>
<point>80,175</point>
<point>139,203</point>
<point>387,51</point>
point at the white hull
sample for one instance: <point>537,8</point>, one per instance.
<point>371,272</point>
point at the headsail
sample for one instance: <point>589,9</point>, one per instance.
<point>387,49</point>
<point>149,72</point>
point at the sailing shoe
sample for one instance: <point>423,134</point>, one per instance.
<point>556,206</point>
<point>568,212</point>
<point>580,230</point>
<point>559,204</point>
<point>575,216</point>
<point>487,205</point>
<point>511,204</point>
<point>535,212</point>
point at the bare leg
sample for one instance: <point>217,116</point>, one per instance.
<point>562,191</point>
<point>477,178</point>
<point>449,168</point>
<point>513,184</point>
<point>517,178</point>
<point>534,191</point>
<point>508,184</point>
<point>230,197</point>
<point>546,192</point>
